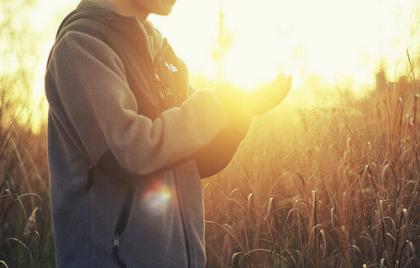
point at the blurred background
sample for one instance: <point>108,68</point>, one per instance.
<point>329,178</point>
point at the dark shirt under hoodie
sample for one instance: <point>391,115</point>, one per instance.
<point>98,107</point>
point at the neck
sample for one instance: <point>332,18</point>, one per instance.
<point>125,8</point>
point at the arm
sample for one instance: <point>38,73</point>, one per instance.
<point>242,107</point>
<point>216,155</point>
<point>89,85</point>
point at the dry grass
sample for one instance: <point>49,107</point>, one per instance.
<point>328,187</point>
<point>323,187</point>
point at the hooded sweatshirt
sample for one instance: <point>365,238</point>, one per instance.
<point>92,111</point>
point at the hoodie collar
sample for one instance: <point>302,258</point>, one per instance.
<point>150,36</point>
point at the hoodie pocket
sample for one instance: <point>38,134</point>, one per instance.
<point>153,234</point>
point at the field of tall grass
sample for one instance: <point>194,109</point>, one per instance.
<point>327,186</point>
<point>323,186</point>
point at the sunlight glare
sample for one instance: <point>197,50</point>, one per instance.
<point>157,198</point>
<point>335,40</point>
<point>329,38</point>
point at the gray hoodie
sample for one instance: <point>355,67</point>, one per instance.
<point>92,110</point>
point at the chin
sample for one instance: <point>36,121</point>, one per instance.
<point>159,7</point>
<point>163,11</point>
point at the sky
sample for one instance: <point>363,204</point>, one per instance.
<point>332,38</point>
<point>336,40</point>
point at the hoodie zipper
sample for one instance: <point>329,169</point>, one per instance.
<point>121,225</point>
<point>184,227</point>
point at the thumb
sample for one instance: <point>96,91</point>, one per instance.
<point>269,96</point>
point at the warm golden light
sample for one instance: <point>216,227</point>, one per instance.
<point>327,173</point>
<point>333,39</point>
<point>336,42</point>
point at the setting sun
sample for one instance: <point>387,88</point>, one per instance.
<point>336,43</point>
<point>334,39</point>
<point>337,40</point>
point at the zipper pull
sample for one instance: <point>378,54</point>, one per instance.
<point>116,242</point>
<point>116,252</point>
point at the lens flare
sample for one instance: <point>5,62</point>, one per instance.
<point>157,198</point>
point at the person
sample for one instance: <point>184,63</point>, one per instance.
<point>129,140</point>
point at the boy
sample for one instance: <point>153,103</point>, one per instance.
<point>128,142</point>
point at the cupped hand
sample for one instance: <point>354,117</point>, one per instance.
<point>255,102</point>
<point>269,96</point>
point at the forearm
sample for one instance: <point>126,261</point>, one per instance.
<point>90,94</point>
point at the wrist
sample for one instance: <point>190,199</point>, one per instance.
<point>238,104</point>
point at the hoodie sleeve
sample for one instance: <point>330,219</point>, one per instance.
<point>87,81</point>
<point>217,155</point>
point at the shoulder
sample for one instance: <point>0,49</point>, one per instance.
<point>76,40</point>
<point>85,30</point>
<point>78,48</point>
